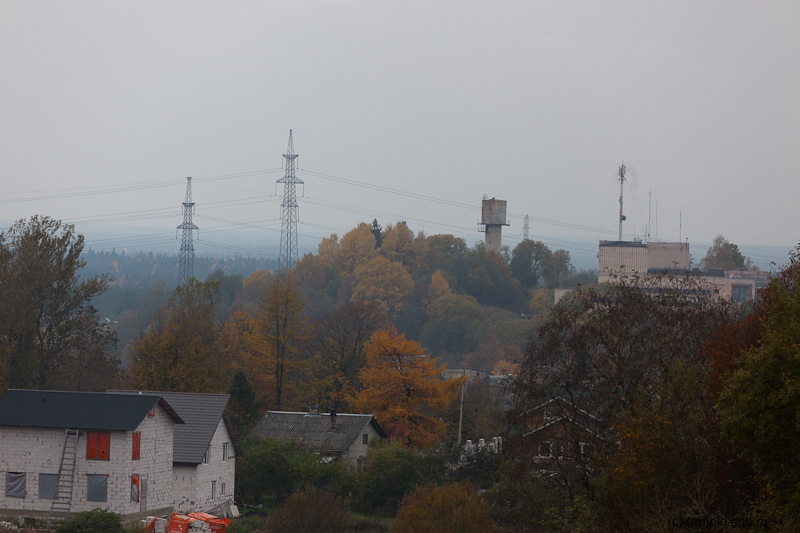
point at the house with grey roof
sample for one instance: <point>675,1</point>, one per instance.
<point>204,452</point>
<point>66,452</point>
<point>334,436</point>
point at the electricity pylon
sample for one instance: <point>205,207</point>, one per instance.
<point>289,211</point>
<point>187,244</point>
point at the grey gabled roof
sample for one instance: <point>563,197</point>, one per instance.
<point>313,432</point>
<point>202,413</point>
<point>78,410</point>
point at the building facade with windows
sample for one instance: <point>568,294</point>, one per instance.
<point>334,436</point>
<point>205,451</point>
<point>67,452</point>
<point>561,435</point>
<point>620,259</point>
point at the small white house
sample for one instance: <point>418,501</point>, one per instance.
<point>205,451</point>
<point>344,437</point>
<point>67,452</point>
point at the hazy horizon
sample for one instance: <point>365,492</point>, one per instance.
<point>107,108</point>
<point>583,250</point>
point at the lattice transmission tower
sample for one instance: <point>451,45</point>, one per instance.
<point>187,241</point>
<point>526,229</point>
<point>289,211</point>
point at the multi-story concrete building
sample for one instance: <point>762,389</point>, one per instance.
<point>204,452</point>
<point>627,258</point>
<point>66,452</point>
<point>623,259</point>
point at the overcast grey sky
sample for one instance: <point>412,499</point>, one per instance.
<point>408,111</point>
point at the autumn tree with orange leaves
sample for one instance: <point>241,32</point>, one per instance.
<point>341,337</point>
<point>404,389</point>
<point>281,328</point>
<point>180,351</point>
<point>266,343</point>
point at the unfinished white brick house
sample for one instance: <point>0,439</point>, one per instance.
<point>66,452</point>
<point>205,451</point>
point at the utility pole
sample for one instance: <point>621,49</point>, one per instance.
<point>621,185</point>
<point>461,408</point>
<point>187,244</point>
<point>289,211</point>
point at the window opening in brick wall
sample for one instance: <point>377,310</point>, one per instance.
<point>213,490</point>
<point>225,451</point>
<point>206,456</point>
<point>365,438</point>
<point>47,486</point>
<point>97,487</point>
<point>135,484</point>
<point>136,451</point>
<point>16,484</point>
<point>98,445</point>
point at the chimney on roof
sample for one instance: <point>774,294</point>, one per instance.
<point>333,421</point>
<point>314,409</point>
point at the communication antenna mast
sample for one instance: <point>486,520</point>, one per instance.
<point>187,244</point>
<point>621,186</point>
<point>526,229</point>
<point>649,210</point>
<point>289,215</point>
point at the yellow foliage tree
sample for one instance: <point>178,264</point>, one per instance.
<point>541,301</point>
<point>356,248</point>
<point>439,287</point>
<point>252,288</point>
<point>328,250</point>
<point>279,329</point>
<point>505,368</point>
<point>384,283</point>
<point>398,241</point>
<point>405,389</point>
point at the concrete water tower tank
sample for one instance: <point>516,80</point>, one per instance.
<point>493,218</point>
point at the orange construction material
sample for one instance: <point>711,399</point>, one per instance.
<point>217,524</point>
<point>179,524</point>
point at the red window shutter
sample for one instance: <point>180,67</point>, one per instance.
<point>137,445</point>
<point>91,445</point>
<point>103,444</point>
<point>152,412</point>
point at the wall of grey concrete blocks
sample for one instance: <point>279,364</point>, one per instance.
<point>192,485</point>
<point>38,450</point>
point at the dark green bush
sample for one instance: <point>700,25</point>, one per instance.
<point>249,524</point>
<point>391,471</point>
<point>270,471</point>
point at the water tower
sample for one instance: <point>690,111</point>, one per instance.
<point>493,218</point>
